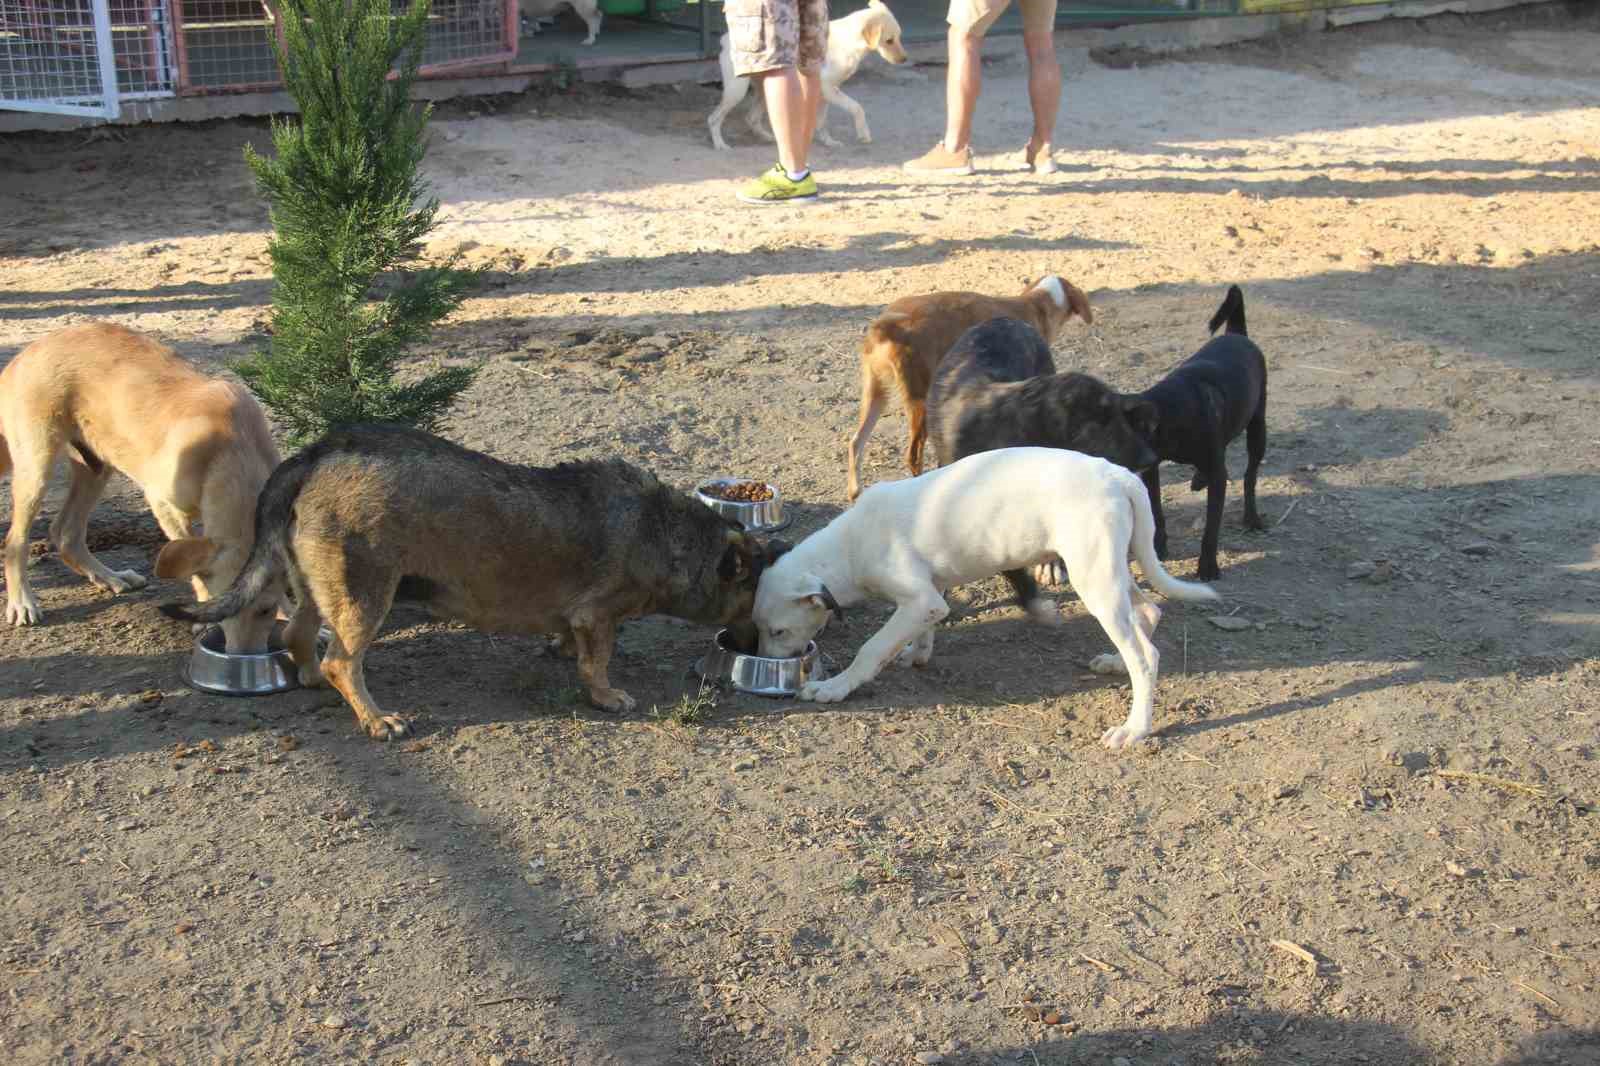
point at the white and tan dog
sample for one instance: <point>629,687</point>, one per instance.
<point>199,447</point>
<point>908,541</point>
<point>872,29</point>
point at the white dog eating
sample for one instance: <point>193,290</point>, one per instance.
<point>908,541</point>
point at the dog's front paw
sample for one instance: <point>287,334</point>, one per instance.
<point>864,135</point>
<point>1209,570</point>
<point>612,699</point>
<point>311,676</point>
<point>827,139</point>
<point>1123,737</point>
<point>1052,573</point>
<point>1253,520</point>
<point>1108,663</point>
<point>389,727</point>
<point>832,690</point>
<point>122,581</point>
<point>23,611</point>
<point>907,656</point>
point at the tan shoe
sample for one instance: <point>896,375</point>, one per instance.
<point>1040,160</point>
<point>940,160</point>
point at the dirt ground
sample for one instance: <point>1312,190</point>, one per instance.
<point>1366,832</point>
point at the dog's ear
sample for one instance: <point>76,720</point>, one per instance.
<point>186,557</point>
<point>1078,302</point>
<point>777,549</point>
<point>872,32</point>
<point>743,559</point>
<point>1142,414</point>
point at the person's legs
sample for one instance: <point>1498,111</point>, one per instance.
<point>782,44</point>
<point>969,21</point>
<point>963,80</point>
<point>788,105</point>
<point>1044,80</point>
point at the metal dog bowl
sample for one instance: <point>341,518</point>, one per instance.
<point>757,675</point>
<point>764,516</point>
<point>211,669</point>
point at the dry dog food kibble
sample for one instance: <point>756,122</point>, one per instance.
<point>739,491</point>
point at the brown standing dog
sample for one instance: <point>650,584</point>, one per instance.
<point>199,447</point>
<point>904,344</point>
<point>373,514</point>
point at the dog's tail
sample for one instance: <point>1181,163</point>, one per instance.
<point>269,555</point>
<point>1231,312</point>
<point>1144,549</point>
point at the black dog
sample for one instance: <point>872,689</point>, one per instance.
<point>997,388</point>
<point>1200,407</point>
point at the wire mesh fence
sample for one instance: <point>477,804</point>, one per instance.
<point>83,56</point>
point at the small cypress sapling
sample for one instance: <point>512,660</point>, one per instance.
<point>349,212</point>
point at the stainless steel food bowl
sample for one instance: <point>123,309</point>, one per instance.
<point>757,675</point>
<point>211,669</point>
<point>765,516</point>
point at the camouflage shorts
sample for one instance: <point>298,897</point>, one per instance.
<point>770,34</point>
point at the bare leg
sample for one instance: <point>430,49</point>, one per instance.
<point>792,100</point>
<point>962,83</point>
<point>1044,83</point>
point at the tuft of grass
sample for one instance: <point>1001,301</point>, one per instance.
<point>691,708</point>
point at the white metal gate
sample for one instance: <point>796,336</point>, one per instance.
<point>83,57</point>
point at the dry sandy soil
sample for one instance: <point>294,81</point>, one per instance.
<point>1366,833</point>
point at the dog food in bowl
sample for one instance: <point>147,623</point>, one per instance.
<point>738,491</point>
<point>755,505</point>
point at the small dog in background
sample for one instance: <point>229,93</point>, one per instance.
<point>111,399</point>
<point>1217,393</point>
<point>905,344</point>
<point>537,12</point>
<point>872,29</point>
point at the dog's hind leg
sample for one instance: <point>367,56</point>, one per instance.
<point>1256,447</point>
<point>873,399</point>
<point>917,410</point>
<point>1152,487</point>
<point>1216,483</point>
<point>30,471</point>
<point>1112,602</point>
<point>355,611</point>
<point>733,90</point>
<point>71,525</point>
<point>596,635</point>
<point>301,633</point>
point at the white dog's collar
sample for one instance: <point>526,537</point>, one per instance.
<point>830,603</point>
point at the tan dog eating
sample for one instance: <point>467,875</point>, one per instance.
<point>199,447</point>
<point>905,343</point>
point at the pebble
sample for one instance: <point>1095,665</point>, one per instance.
<point>1477,548</point>
<point>742,765</point>
<point>1228,622</point>
<point>1121,1061</point>
<point>335,1021</point>
<point>1358,570</point>
<point>929,1058</point>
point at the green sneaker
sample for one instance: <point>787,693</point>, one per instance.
<point>775,187</point>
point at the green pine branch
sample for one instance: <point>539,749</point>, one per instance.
<point>350,210</point>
